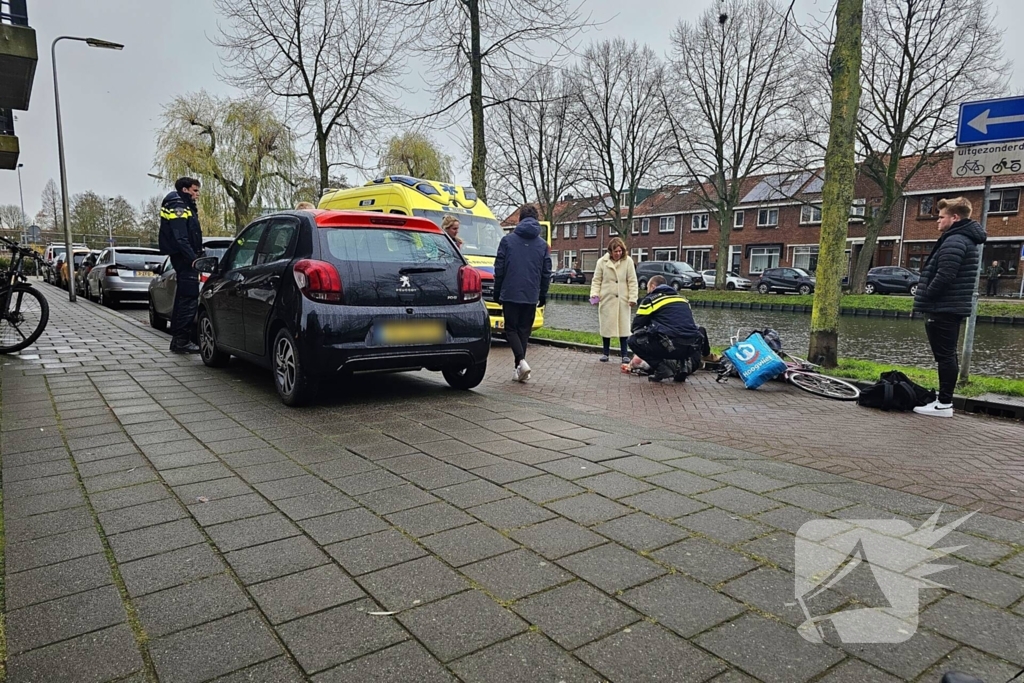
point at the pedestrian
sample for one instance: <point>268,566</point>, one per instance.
<point>992,273</point>
<point>613,290</point>
<point>666,335</point>
<point>304,206</point>
<point>450,224</point>
<point>182,239</point>
<point>945,291</point>
<point>522,274</point>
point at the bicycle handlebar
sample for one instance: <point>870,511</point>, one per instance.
<point>17,248</point>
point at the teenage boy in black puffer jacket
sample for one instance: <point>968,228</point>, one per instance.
<point>945,291</point>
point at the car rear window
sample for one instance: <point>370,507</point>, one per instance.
<point>375,245</point>
<point>135,260</point>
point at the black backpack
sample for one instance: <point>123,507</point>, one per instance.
<point>895,391</point>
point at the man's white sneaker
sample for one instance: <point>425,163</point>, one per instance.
<point>516,375</point>
<point>524,370</point>
<point>935,409</point>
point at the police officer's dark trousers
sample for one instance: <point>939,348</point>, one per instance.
<point>186,300</point>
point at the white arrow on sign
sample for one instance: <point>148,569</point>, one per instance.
<point>981,122</point>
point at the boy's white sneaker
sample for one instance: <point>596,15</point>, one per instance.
<point>935,409</point>
<point>523,370</point>
<point>516,375</point>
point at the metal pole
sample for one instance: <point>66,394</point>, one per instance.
<point>24,218</point>
<point>63,174</point>
<point>965,364</point>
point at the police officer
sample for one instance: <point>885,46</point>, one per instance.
<point>665,334</point>
<point>182,239</point>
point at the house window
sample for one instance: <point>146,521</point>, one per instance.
<point>698,258</point>
<point>554,233</point>
<point>639,255</point>
<point>1003,201</point>
<point>735,258</point>
<point>767,218</point>
<point>565,231</point>
<point>698,222</point>
<point>575,232</point>
<point>810,214</point>
<point>926,207</point>
<point>667,224</point>
<point>806,258</point>
<point>588,260</point>
<point>612,232</point>
<point>1007,253</point>
<point>645,226</point>
<point>859,208</point>
<point>737,220</point>
<point>568,258</point>
<point>634,227</point>
<point>590,230</point>
<point>763,258</point>
<point>917,254</point>
<point>666,254</point>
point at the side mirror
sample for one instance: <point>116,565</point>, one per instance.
<point>207,264</point>
<point>157,269</point>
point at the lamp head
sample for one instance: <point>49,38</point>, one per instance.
<point>105,44</point>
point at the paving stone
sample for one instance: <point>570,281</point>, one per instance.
<point>404,464</point>
<point>256,456</point>
<point>43,503</point>
<point>750,481</point>
<point>56,580</point>
<point>723,526</point>
<point>1014,565</point>
<point>468,544</point>
<point>37,470</point>
<point>646,652</point>
<point>438,477</point>
<point>557,538</point>
<point>341,526</point>
<point>641,532</point>
<point>154,540</point>
<point>373,552</point>
<point>476,492</point>
<point>460,624</point>
<point>507,472</point>
<point>981,583</point>
<point>291,487</point>
<point>737,500</point>
<point>635,466</point>
<point>315,504</point>
<point>575,614</point>
<point>50,550</point>
<point>212,490</point>
<point>671,601</point>
<point>230,509</point>
<point>515,575</point>
<point>271,560</point>
<point>138,516</point>
<point>978,625</point>
<point>787,518</point>
<point>664,504</point>
<point>395,499</point>
<point>545,488</point>
<point>773,591</point>
<point>614,484</point>
<point>511,513</point>
<point>44,623</point>
<point>430,519</point>
<point>527,658</point>
<point>47,524</point>
<point>704,560</point>
<point>367,481</point>
<point>91,658</point>
<point>270,471</point>
<point>611,567</point>
<point>194,474</point>
<point>572,468</point>
<point>474,460</point>
<point>595,453</point>
<point>213,649</point>
<point>588,508</point>
<point>190,604</point>
<point>908,659</point>
<point>753,643</point>
<point>279,670</point>
<point>251,531</point>
<point>778,548</point>
<point>977,550</point>
<point>15,491</point>
<point>170,569</point>
<point>415,582</point>
<point>182,459</point>
<point>531,455</point>
<point>684,482</point>
<point>854,671</point>
<point>965,659</point>
<point>305,592</point>
<point>809,499</point>
<point>400,663</point>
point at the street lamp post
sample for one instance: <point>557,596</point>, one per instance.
<point>21,196</point>
<point>110,224</point>
<point>70,259</point>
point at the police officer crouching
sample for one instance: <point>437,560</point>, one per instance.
<point>665,334</point>
<point>181,238</point>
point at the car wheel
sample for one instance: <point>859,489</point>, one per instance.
<point>913,290</point>
<point>155,321</point>
<point>465,378</point>
<point>730,286</point>
<point>641,283</point>
<point>295,385</point>
<point>869,288</point>
<point>804,289</point>
<point>763,289</point>
<point>208,351</point>
<point>677,285</point>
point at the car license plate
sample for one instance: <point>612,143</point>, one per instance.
<point>143,273</point>
<point>498,323</point>
<point>410,332</point>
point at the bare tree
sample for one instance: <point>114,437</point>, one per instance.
<point>12,218</point>
<point>537,156</point>
<point>734,103</point>
<point>921,59</point>
<point>50,217</point>
<point>478,47</point>
<point>619,118</point>
<point>340,61</point>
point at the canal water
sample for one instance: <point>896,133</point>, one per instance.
<point>998,349</point>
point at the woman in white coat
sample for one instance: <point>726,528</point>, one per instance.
<point>614,291</point>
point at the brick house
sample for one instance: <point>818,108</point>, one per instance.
<point>777,223</point>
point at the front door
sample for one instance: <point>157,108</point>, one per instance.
<point>884,255</point>
<point>263,280</point>
<point>225,297</point>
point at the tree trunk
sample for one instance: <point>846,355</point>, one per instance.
<point>321,148</point>
<point>724,238</point>
<point>478,174</point>
<point>859,276</point>
<point>837,194</point>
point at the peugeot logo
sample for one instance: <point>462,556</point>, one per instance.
<point>403,281</point>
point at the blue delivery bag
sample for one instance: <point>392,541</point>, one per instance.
<point>755,361</point>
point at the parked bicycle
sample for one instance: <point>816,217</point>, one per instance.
<point>974,166</point>
<point>1013,166</point>
<point>24,311</point>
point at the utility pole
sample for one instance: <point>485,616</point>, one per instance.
<point>24,218</point>
<point>972,320</point>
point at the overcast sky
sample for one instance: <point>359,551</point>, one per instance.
<point>111,101</point>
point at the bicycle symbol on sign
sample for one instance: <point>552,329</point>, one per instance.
<point>973,167</point>
<point>1013,166</point>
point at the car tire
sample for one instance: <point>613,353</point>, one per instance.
<point>804,289</point>
<point>764,289</point>
<point>641,283</point>
<point>208,351</point>
<point>155,321</point>
<point>465,378</point>
<point>108,299</point>
<point>730,286</point>
<point>294,384</point>
<point>869,288</point>
<point>913,290</point>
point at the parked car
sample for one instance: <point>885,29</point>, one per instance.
<point>52,274</point>
<point>569,276</point>
<point>679,274</point>
<point>891,279</point>
<point>786,280</point>
<point>732,280</point>
<point>79,255</point>
<point>122,273</point>
<point>163,287</point>
<point>82,270</point>
<point>310,294</point>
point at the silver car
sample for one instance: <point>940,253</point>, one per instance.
<point>732,280</point>
<point>163,287</point>
<point>122,273</point>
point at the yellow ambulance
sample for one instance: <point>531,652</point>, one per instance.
<point>406,196</point>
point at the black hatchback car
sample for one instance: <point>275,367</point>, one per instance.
<point>891,280</point>
<point>310,294</point>
<point>786,280</point>
<point>569,276</point>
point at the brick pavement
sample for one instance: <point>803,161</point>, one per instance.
<point>164,521</point>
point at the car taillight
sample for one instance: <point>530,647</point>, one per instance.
<point>470,285</point>
<point>318,280</point>
<point>111,271</point>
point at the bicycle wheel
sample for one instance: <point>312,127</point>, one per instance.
<point>25,319</point>
<point>823,385</point>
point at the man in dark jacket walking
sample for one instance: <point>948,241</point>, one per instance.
<point>522,274</point>
<point>665,334</point>
<point>945,292</point>
<point>182,239</point>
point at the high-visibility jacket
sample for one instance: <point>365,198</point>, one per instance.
<point>180,233</point>
<point>665,311</point>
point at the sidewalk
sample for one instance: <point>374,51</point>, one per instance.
<point>165,521</point>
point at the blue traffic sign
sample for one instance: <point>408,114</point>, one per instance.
<point>985,121</point>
